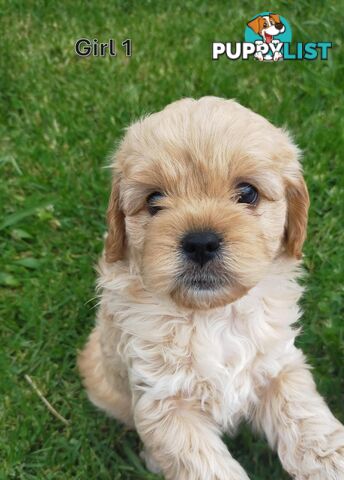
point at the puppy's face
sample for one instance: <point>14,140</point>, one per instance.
<point>267,26</point>
<point>207,195</point>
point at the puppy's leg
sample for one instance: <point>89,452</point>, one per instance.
<point>296,420</point>
<point>183,441</point>
<point>105,386</point>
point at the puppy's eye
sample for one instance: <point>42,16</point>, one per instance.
<point>247,193</point>
<point>152,200</point>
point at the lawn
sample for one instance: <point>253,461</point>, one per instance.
<point>60,118</point>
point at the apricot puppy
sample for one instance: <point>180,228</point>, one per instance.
<point>194,333</point>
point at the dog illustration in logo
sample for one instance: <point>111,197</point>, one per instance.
<point>267,26</point>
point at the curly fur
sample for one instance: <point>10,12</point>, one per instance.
<point>183,365</point>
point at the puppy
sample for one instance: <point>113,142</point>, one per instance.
<point>267,26</point>
<point>194,333</point>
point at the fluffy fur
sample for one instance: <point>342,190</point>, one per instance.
<point>183,364</point>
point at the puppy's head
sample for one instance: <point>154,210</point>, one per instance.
<point>206,196</point>
<point>267,25</point>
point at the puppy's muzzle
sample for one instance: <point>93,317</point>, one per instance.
<point>200,247</point>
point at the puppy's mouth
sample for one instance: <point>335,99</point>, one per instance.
<point>208,286</point>
<point>203,279</point>
<point>205,287</point>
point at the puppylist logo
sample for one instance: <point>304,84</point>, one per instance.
<point>268,39</point>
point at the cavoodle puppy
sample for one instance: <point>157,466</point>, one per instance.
<point>194,332</point>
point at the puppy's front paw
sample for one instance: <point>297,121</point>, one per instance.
<point>221,470</point>
<point>259,56</point>
<point>329,467</point>
<point>324,462</point>
<point>151,464</point>
<point>277,56</point>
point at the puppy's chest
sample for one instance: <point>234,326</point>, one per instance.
<point>220,362</point>
<point>204,360</point>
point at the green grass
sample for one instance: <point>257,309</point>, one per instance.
<point>60,117</point>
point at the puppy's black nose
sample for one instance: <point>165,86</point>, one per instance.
<point>200,247</point>
<point>279,26</point>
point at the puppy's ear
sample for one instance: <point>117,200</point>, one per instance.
<point>275,17</point>
<point>256,24</point>
<point>297,216</point>
<point>115,240</point>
